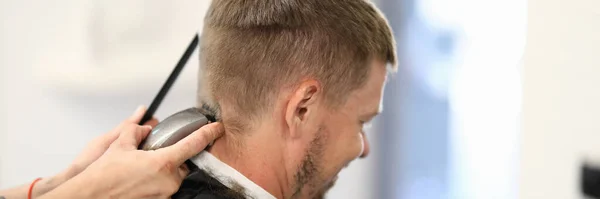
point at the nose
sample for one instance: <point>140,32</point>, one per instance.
<point>366,149</point>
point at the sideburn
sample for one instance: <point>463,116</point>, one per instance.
<point>308,174</point>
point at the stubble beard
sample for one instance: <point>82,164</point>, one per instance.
<point>308,177</point>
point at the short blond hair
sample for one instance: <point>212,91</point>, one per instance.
<point>251,49</point>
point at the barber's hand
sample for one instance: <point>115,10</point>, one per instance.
<point>99,145</point>
<point>123,171</point>
<point>91,153</point>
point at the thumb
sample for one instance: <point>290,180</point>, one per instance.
<point>193,144</point>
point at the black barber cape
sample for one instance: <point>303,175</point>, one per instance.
<point>199,185</point>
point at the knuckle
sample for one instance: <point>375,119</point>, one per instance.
<point>168,167</point>
<point>208,134</point>
<point>156,163</point>
<point>132,127</point>
<point>191,146</point>
<point>129,128</point>
<point>113,145</point>
<point>135,129</point>
<point>205,136</point>
<point>119,144</point>
<point>172,187</point>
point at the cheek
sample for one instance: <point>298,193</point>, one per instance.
<point>345,143</point>
<point>342,146</point>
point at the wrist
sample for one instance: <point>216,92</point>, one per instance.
<point>71,188</point>
<point>49,183</point>
<point>43,186</point>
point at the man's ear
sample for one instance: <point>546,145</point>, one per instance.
<point>302,105</point>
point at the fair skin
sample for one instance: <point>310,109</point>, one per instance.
<point>297,150</point>
<point>111,166</point>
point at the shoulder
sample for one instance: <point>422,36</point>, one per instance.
<point>199,185</point>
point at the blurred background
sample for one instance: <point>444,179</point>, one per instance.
<point>493,99</point>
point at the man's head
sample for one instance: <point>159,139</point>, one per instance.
<point>312,70</point>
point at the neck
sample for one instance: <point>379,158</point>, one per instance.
<point>255,156</point>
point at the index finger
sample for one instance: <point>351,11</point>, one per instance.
<point>193,144</point>
<point>137,115</point>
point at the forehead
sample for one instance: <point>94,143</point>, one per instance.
<point>369,96</point>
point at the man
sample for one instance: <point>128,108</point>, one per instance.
<point>293,82</point>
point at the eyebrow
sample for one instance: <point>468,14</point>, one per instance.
<point>372,115</point>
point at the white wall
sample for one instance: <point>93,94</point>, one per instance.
<point>58,92</point>
<point>485,100</point>
<point>561,99</point>
<point>73,69</point>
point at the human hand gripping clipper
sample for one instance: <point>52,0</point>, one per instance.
<point>178,125</point>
